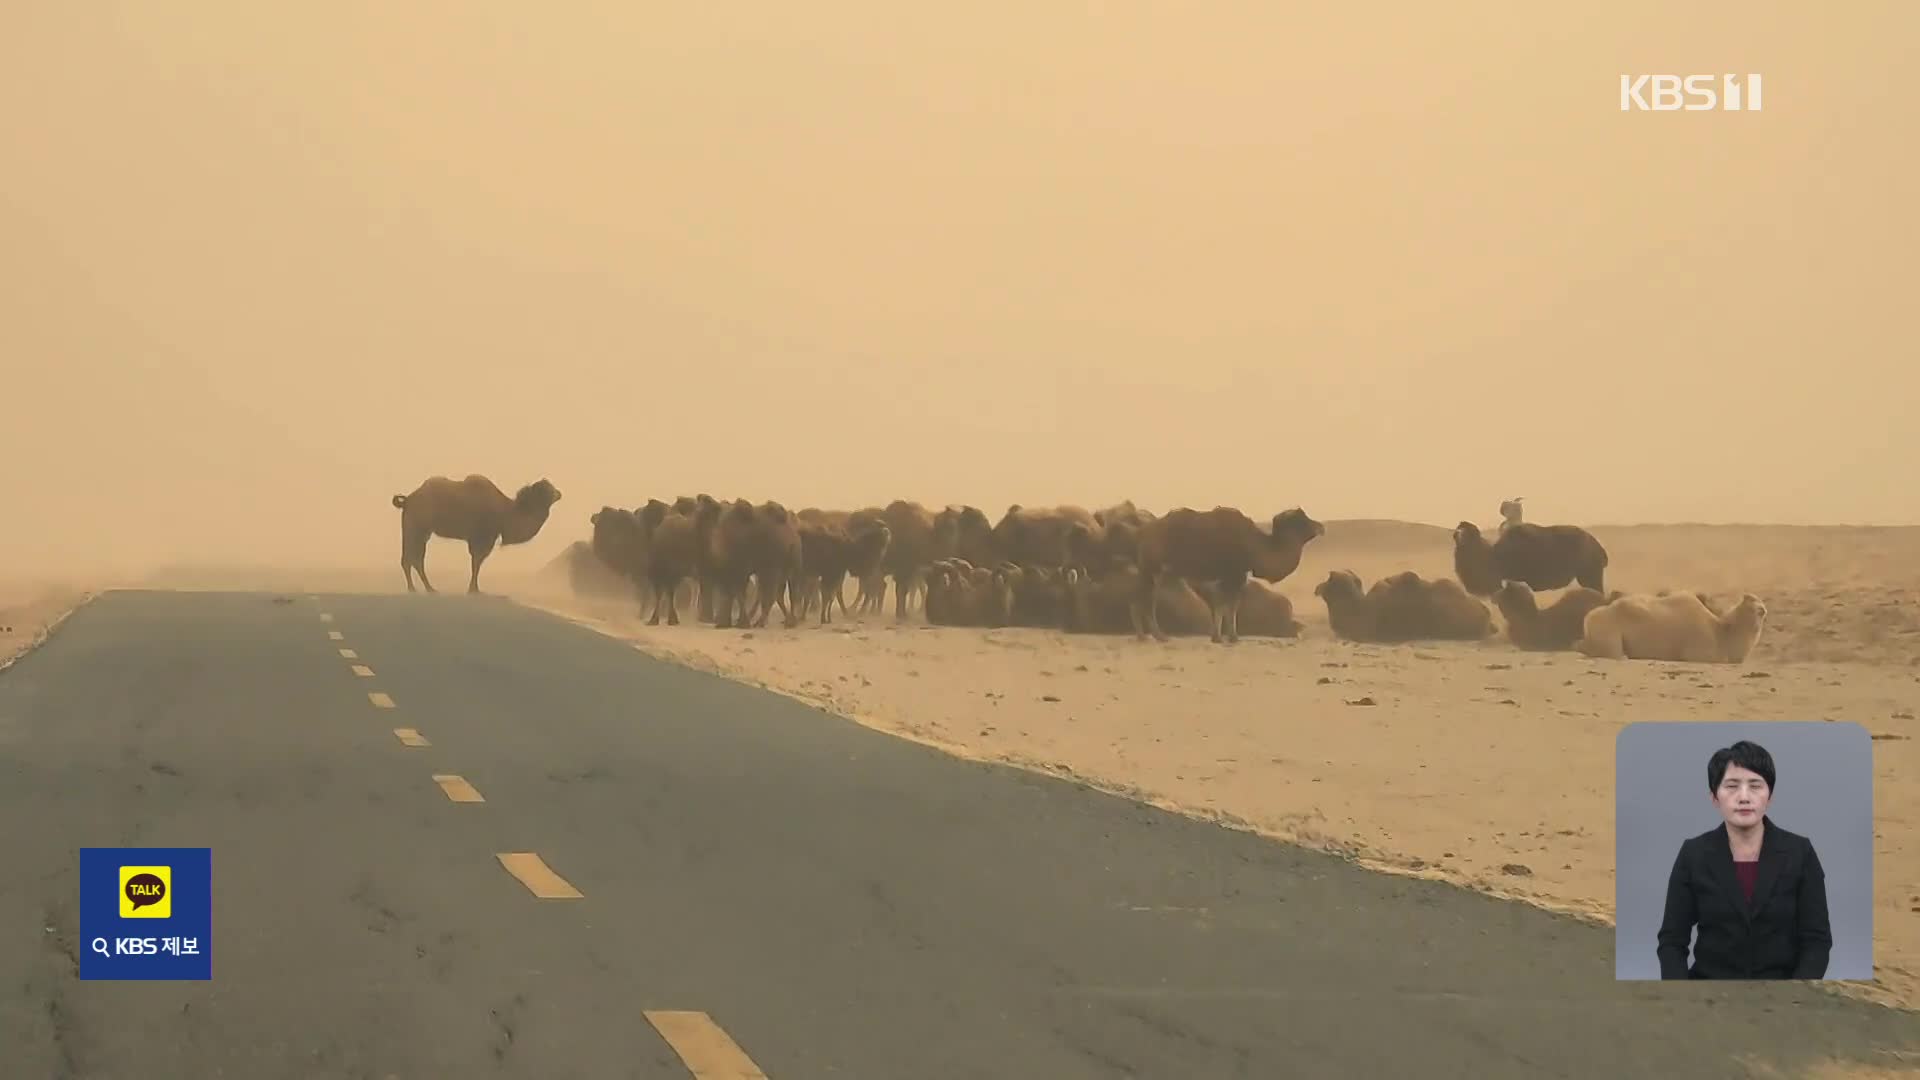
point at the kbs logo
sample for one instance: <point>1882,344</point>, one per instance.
<point>1664,93</point>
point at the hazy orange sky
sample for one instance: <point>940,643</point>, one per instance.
<point>263,270</point>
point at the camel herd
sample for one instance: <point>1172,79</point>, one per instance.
<point>1111,571</point>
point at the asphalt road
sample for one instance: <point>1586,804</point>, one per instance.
<point>756,880</point>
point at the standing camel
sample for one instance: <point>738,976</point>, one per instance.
<point>473,510</point>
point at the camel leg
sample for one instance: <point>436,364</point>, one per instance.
<point>829,595</point>
<point>1147,603</point>
<point>673,606</point>
<point>1227,622</point>
<point>479,548</point>
<point>413,558</point>
<point>654,619</point>
<point>778,594</point>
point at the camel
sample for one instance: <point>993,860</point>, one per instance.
<point>964,531</point>
<point>1122,513</point>
<point>676,552</point>
<point>1264,610</point>
<point>1556,628</point>
<point>961,594</point>
<point>1680,627</point>
<point>1104,548</point>
<point>472,509</point>
<point>914,545</point>
<point>1222,546</point>
<point>620,542</point>
<point>1039,536</point>
<point>1543,556</point>
<point>828,554</point>
<point>759,542</point>
<point>1040,595</point>
<point>1104,605</point>
<point>1402,607</point>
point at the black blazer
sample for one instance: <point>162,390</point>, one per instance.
<point>1782,934</point>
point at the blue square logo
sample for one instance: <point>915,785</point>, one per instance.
<point>146,913</point>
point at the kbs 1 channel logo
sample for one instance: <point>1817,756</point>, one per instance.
<point>146,913</point>
<point>1691,93</point>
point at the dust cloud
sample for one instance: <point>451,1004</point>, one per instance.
<point>263,269</point>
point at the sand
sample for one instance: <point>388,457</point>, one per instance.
<point>1455,771</point>
<point>30,610</point>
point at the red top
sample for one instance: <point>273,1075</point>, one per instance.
<point>1748,873</point>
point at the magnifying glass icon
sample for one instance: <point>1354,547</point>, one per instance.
<point>100,946</point>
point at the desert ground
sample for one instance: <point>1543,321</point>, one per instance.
<point>31,609</point>
<point>1440,760</point>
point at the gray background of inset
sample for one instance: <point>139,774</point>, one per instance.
<point>1824,775</point>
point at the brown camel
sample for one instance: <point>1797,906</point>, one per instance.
<point>829,552</point>
<point>1550,629</point>
<point>960,594</point>
<point>1402,607</point>
<point>1543,556</point>
<point>1104,605</point>
<point>760,542</point>
<point>1040,535</point>
<point>473,510</point>
<point>1223,547</point>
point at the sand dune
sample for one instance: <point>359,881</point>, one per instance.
<point>1442,760</point>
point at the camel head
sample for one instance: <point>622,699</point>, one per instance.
<point>1294,525</point>
<point>1341,585</point>
<point>537,497</point>
<point>1466,533</point>
<point>1516,598</point>
<point>1750,608</point>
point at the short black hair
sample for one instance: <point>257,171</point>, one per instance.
<point>1748,755</point>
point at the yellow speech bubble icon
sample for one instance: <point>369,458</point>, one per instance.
<point>146,892</point>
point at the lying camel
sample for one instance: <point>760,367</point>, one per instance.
<point>1040,595</point>
<point>1556,628</point>
<point>1265,611</point>
<point>1402,607</point>
<point>961,594</point>
<point>1104,605</point>
<point>1680,626</point>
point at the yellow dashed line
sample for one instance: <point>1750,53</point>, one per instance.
<point>410,737</point>
<point>708,1052</point>
<point>349,654</point>
<point>535,875</point>
<point>335,635</point>
<point>380,700</point>
<point>363,671</point>
<point>324,617</point>
<point>457,788</point>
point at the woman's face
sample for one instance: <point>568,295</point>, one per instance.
<point>1742,797</point>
